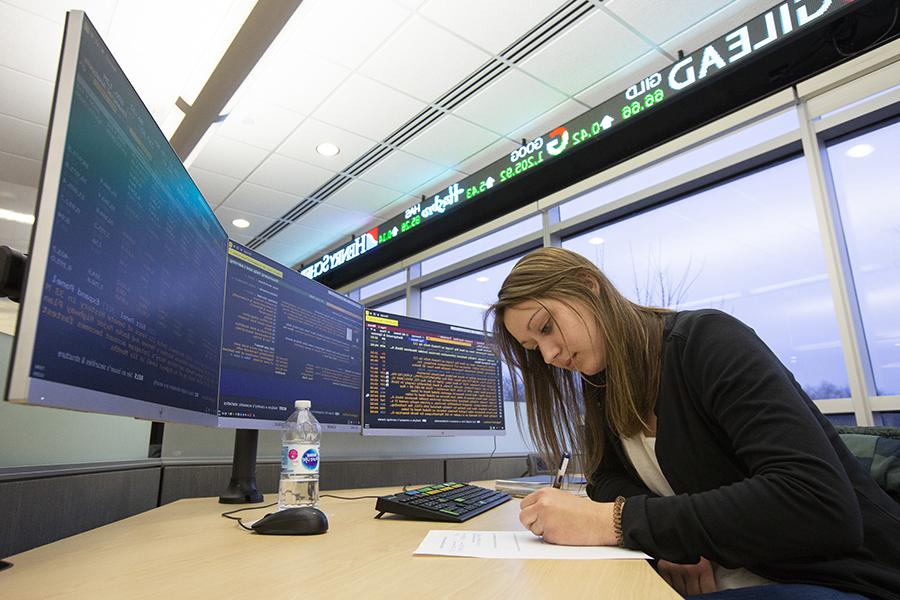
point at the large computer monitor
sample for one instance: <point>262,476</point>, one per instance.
<point>427,378</point>
<point>123,298</point>
<point>286,338</point>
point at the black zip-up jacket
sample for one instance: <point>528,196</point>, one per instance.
<point>761,478</point>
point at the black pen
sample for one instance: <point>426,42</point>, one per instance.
<point>561,473</point>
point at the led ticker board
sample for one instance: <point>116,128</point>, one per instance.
<point>757,36</point>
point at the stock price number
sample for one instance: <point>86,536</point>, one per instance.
<point>655,97</point>
<point>522,166</point>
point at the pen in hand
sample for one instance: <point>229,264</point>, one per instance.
<point>561,473</point>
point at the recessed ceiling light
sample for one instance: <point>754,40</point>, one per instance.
<point>11,215</point>
<point>241,223</point>
<point>327,149</point>
<point>482,279</point>
<point>860,150</point>
<point>596,241</point>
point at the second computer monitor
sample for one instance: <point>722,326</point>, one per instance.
<point>286,338</point>
<point>427,378</point>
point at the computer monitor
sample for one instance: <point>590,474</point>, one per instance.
<point>123,297</point>
<point>427,378</point>
<point>287,338</point>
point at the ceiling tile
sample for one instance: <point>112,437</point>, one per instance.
<point>20,170</point>
<point>286,254</point>
<point>550,120</point>
<point>510,102</point>
<point>294,79</point>
<point>438,184</point>
<point>401,171</point>
<point>368,108</point>
<point>29,43</point>
<point>290,176</point>
<point>449,140</point>
<point>362,197</point>
<point>257,222</point>
<point>396,207</point>
<point>336,221</point>
<point>717,24</point>
<point>297,242</point>
<point>498,24</point>
<point>345,32</point>
<point>32,97</point>
<point>262,200</point>
<point>486,156</point>
<point>423,60</point>
<point>669,18</point>
<point>229,157</point>
<point>302,145</point>
<point>214,187</point>
<point>165,44</point>
<point>590,51</point>
<point>22,138</point>
<point>100,12</point>
<point>259,123</point>
<point>619,81</point>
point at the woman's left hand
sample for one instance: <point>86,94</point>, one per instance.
<point>562,518</point>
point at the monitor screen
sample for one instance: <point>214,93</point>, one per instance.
<point>287,338</point>
<point>427,378</point>
<point>123,298</point>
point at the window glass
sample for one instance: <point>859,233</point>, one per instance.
<point>714,150</point>
<point>382,284</point>
<point>493,240</point>
<point>750,247</point>
<point>395,307</point>
<point>463,301</point>
<point>866,180</point>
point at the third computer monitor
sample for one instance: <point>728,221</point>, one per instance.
<point>286,338</point>
<point>427,378</point>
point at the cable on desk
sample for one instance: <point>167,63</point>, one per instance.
<point>228,514</point>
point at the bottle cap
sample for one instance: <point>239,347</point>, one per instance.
<point>302,404</point>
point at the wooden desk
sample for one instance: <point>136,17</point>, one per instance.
<point>186,550</point>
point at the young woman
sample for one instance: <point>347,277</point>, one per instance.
<point>703,450</point>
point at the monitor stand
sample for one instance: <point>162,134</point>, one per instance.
<point>242,488</point>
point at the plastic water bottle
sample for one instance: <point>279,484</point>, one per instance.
<point>299,485</point>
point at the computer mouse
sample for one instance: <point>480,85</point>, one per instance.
<point>304,520</point>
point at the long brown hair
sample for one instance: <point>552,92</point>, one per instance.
<point>564,412</point>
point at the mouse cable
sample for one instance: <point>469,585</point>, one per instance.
<point>228,514</point>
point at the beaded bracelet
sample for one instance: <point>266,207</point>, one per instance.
<point>617,520</point>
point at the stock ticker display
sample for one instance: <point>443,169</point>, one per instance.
<point>287,338</point>
<point>132,297</point>
<point>645,96</point>
<point>422,375</point>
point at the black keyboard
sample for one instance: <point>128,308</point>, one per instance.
<point>455,502</point>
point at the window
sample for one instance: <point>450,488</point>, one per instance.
<point>714,150</point>
<point>395,307</point>
<point>463,301</point>
<point>382,284</point>
<point>492,240</point>
<point>866,180</point>
<point>750,247</point>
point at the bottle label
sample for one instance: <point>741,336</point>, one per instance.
<point>299,459</point>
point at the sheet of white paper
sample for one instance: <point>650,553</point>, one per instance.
<point>513,544</point>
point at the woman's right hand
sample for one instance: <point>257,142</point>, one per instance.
<point>688,580</point>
